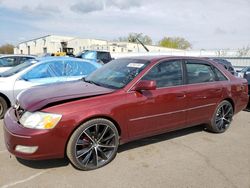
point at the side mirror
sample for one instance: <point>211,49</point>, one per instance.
<point>145,85</point>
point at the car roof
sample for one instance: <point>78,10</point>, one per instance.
<point>161,57</point>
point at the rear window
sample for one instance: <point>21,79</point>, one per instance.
<point>199,73</point>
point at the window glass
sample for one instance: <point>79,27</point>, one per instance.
<point>89,55</point>
<point>103,55</point>
<point>16,69</point>
<point>220,76</point>
<point>199,73</point>
<point>23,59</point>
<point>45,70</point>
<point>3,63</point>
<point>74,68</point>
<point>9,61</point>
<point>166,74</point>
<point>117,73</point>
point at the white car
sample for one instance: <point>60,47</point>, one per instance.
<point>40,71</point>
<point>9,61</point>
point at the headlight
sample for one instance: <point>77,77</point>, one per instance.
<point>40,120</point>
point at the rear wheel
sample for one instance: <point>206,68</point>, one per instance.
<point>93,145</point>
<point>222,117</point>
<point>3,107</point>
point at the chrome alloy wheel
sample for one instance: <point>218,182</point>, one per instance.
<point>93,145</point>
<point>224,116</point>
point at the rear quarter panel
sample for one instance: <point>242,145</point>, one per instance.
<point>235,89</point>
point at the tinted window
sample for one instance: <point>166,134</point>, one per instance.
<point>23,59</point>
<point>166,74</point>
<point>3,63</point>
<point>198,73</point>
<point>78,68</point>
<point>220,76</point>
<point>103,55</point>
<point>9,61</point>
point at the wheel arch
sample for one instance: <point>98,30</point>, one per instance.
<point>91,118</point>
<point>231,101</point>
<point>6,99</point>
<point>103,117</point>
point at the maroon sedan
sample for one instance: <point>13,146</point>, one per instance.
<point>126,99</point>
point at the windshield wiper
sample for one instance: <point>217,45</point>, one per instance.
<point>91,82</point>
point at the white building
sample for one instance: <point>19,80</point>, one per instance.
<point>42,45</point>
<point>54,43</point>
<point>79,44</point>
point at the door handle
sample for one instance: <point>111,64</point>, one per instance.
<point>180,95</point>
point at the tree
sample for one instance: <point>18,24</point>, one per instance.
<point>132,37</point>
<point>7,49</point>
<point>175,42</point>
<point>245,51</point>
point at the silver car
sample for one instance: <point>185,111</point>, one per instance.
<point>40,71</point>
<point>9,61</point>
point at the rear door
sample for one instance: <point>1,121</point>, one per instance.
<point>203,93</point>
<point>162,109</point>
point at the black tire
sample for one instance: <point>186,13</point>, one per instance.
<point>93,144</point>
<point>3,107</point>
<point>222,117</point>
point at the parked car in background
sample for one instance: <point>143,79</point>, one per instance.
<point>9,61</point>
<point>96,56</point>
<point>40,71</point>
<point>228,65</point>
<point>245,71</point>
<point>124,100</point>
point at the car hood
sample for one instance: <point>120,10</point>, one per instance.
<point>40,96</point>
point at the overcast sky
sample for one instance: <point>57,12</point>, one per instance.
<point>207,24</point>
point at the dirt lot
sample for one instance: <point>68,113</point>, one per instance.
<point>186,158</point>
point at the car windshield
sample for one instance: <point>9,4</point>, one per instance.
<point>117,73</point>
<point>89,55</point>
<point>16,69</point>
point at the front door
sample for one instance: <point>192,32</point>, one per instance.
<point>162,109</point>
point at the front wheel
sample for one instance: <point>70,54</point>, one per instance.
<point>93,145</point>
<point>222,117</point>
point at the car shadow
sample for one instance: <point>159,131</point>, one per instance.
<point>160,138</point>
<point>247,109</point>
<point>44,164</point>
<point>55,163</point>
